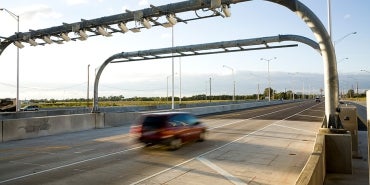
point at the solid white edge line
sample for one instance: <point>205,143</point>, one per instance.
<point>295,128</point>
<point>304,115</point>
<point>221,171</point>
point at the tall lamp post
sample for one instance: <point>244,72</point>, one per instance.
<point>355,93</point>
<point>167,86</point>
<point>340,39</point>
<point>292,85</point>
<point>232,71</point>
<point>268,73</point>
<point>16,17</point>
<point>88,85</point>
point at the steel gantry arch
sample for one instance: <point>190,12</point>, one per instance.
<point>331,85</point>
<point>103,26</point>
<point>200,49</point>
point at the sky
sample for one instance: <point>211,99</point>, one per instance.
<point>59,71</point>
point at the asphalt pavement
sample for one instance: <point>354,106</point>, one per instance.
<point>268,145</point>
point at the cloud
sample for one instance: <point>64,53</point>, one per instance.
<point>39,11</point>
<point>76,2</point>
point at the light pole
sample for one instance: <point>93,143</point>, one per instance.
<point>356,86</point>
<point>88,85</point>
<point>268,73</point>
<point>210,89</point>
<point>16,17</point>
<point>342,60</point>
<point>167,86</point>
<point>180,78</point>
<point>340,39</point>
<point>329,18</point>
<point>292,84</point>
<point>232,71</point>
<point>173,74</point>
<point>258,86</point>
<point>339,76</point>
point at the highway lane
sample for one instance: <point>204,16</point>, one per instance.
<point>109,156</point>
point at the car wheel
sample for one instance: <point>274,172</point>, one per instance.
<point>202,136</point>
<point>175,144</point>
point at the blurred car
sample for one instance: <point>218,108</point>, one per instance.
<point>168,128</point>
<point>30,108</point>
<point>317,99</point>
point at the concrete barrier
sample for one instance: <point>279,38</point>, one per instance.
<point>14,129</point>
<point>329,148</point>
<point>120,119</point>
<point>31,127</point>
<point>1,131</point>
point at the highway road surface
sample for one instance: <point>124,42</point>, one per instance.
<point>268,145</point>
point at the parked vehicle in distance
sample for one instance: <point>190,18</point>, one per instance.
<point>168,128</point>
<point>30,108</point>
<point>317,99</point>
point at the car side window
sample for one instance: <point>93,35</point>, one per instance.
<point>183,119</point>
<point>190,119</point>
<point>178,120</point>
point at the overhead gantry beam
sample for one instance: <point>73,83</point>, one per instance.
<point>200,49</point>
<point>117,23</point>
<point>209,48</point>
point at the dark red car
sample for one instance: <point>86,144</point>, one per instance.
<point>168,128</point>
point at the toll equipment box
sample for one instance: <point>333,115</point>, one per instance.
<point>348,119</point>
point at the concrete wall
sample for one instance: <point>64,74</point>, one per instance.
<point>328,150</point>
<point>14,129</point>
<point>1,131</point>
<point>127,118</point>
<point>314,171</point>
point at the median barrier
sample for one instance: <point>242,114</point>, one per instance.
<point>15,129</point>
<point>120,119</point>
<point>1,131</point>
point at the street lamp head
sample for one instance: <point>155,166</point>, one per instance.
<point>1,9</point>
